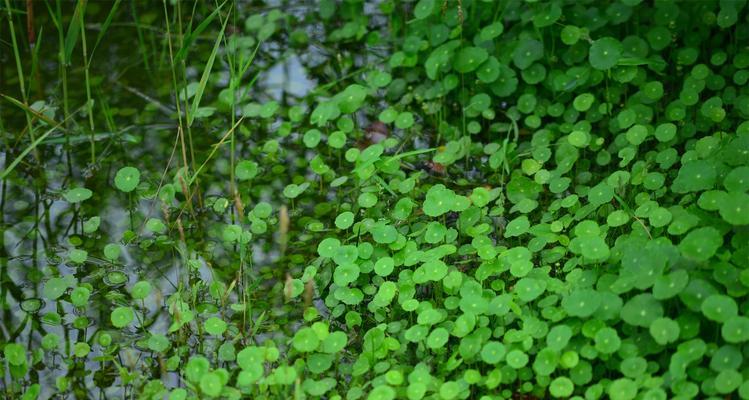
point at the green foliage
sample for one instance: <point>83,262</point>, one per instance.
<point>127,179</point>
<point>472,199</point>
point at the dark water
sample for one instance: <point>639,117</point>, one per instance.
<point>135,122</point>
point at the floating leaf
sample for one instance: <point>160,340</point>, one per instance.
<point>54,288</point>
<point>15,354</point>
<point>491,31</point>
<point>529,289</point>
<point>77,195</point>
<point>352,98</point>
<point>140,290</point>
<point>435,232</point>
<point>607,340</point>
<point>112,251</point>
<point>324,112</point>
<point>78,256</point>
<point>622,389</point>
<point>158,343</point>
<point>127,179</point>
<point>122,317</point>
<point>80,296</point>
<point>382,392</point>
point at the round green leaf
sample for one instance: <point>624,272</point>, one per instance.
<point>664,330</point>
<point>605,53</point>
<point>215,326</point>
<point>516,359</point>
<point>77,195</point>
<point>404,120</point>
<point>642,310</point>
<point>735,329</point>
<point>622,389</point>
<point>469,58</point>
<point>141,290</point>
<point>15,354</point>
<point>449,390</point>
<point>305,340</point>
<point>581,303</point>
<point>54,288</point>
<point>382,392</point>
<point>127,179</point>
<point>734,208</point>
<point>423,9</point>
<point>384,266</point>
<point>719,308</point>
<point>561,387</point>
<point>211,384</point>
<point>701,243</point>
<point>607,340</point>
<point>79,296</point>
<point>727,381</point>
<point>558,337</point>
<point>493,352</point>
<point>122,316</point>
<point>246,170</point>
<point>438,338</point>
<point>344,220</point>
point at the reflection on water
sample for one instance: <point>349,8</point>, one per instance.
<point>135,123</point>
<point>288,77</point>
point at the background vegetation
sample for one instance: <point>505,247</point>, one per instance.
<point>432,199</point>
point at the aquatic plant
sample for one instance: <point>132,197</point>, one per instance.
<point>430,199</point>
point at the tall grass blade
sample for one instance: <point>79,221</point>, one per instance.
<point>213,151</point>
<point>105,26</point>
<point>74,30</point>
<point>191,36</point>
<point>206,74</point>
<point>29,110</point>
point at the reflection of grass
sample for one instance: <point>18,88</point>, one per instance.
<point>21,78</point>
<point>35,142</point>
